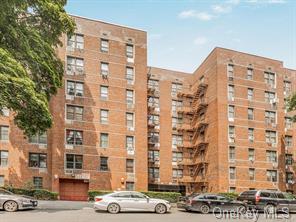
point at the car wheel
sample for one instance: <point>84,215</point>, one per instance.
<point>242,209</point>
<point>204,209</point>
<point>270,209</point>
<point>10,206</point>
<point>113,208</point>
<point>160,209</point>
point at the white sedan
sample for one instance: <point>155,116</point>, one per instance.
<point>121,201</point>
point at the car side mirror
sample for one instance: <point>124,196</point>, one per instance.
<point>147,198</point>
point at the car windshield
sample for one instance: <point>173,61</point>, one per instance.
<point>5,192</point>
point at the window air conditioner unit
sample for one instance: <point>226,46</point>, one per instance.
<point>273,144</point>
<point>104,75</point>
<point>69,146</point>
<point>131,128</point>
<point>274,165</point>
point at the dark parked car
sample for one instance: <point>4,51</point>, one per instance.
<point>182,200</point>
<point>206,203</point>
<point>270,201</point>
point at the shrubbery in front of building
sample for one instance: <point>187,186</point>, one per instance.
<point>40,194</point>
<point>169,196</point>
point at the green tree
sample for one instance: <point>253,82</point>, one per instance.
<point>292,105</point>
<point>30,71</point>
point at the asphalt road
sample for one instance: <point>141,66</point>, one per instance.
<point>66,211</point>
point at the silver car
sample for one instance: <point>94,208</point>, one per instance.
<point>12,202</point>
<point>120,201</point>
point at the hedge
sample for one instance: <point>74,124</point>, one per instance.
<point>229,195</point>
<point>169,196</point>
<point>39,194</point>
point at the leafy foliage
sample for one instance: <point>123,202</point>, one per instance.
<point>39,194</point>
<point>292,105</point>
<point>30,71</point>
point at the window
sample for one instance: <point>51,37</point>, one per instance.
<point>130,166</point>
<point>269,78</point>
<point>175,105</point>
<point>288,141</point>
<point>250,93</point>
<point>251,134</point>
<point>153,137</point>
<point>289,159</point>
<point>270,117</point>
<point>231,153</point>
<point>74,137</point>
<point>251,173</point>
<point>153,172</point>
<point>4,133</point>
<point>104,92</point>
<point>176,87</point>
<point>271,156</point>
<point>174,122</point>
<point>230,71</point>
<point>232,173</point>
<point>104,140</point>
<point>38,139</point>
<point>75,66</point>
<point>249,73</point>
<point>271,175</point>
<point>104,68</point>
<point>287,87</point>
<point>232,189</point>
<point>230,92</point>
<point>3,158</point>
<point>38,182</point>
<point>250,114</point>
<point>269,96</point>
<point>129,96</point>
<point>129,51</point>
<point>74,88</point>
<point>74,161</point>
<point>251,154</point>
<point>104,45</point>
<point>153,102</point>
<point>177,173</point>
<point>129,120</point>
<point>104,163</point>
<point>2,181</point>
<point>153,119</point>
<point>74,113</point>
<point>130,143</point>
<point>104,116</point>
<point>270,136</point>
<point>289,177</point>
<point>76,41</point>
<point>153,155</point>
<point>288,122</point>
<point>130,75</point>
<point>177,156</point>
<point>231,133</point>
<point>177,140</point>
<point>153,84</point>
<point>231,113</point>
<point>37,160</point>
<point>130,186</point>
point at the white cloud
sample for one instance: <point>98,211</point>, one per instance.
<point>221,8</point>
<point>233,2</point>
<point>204,16</point>
<point>200,40</point>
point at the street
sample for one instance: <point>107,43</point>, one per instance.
<point>68,211</point>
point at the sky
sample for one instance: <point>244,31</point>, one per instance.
<point>181,33</point>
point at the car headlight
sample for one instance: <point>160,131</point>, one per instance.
<point>167,202</point>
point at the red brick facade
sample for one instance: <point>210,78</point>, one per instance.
<point>117,127</point>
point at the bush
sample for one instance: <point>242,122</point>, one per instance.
<point>45,195</point>
<point>93,193</point>
<point>39,194</point>
<point>229,195</point>
<point>169,196</point>
<point>172,197</point>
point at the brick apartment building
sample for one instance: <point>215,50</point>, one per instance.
<point>119,124</point>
